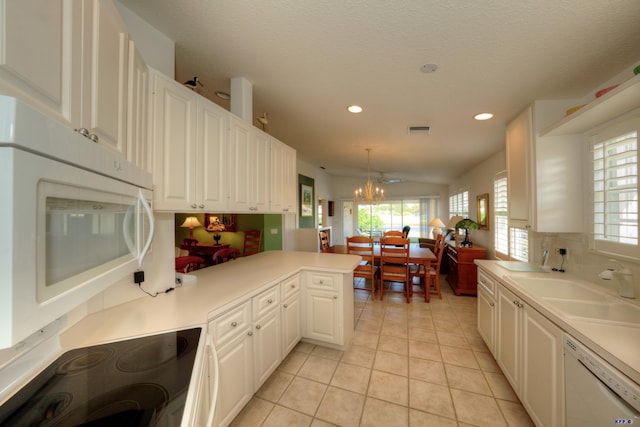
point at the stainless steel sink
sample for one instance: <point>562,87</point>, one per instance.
<point>557,288</point>
<point>609,312</point>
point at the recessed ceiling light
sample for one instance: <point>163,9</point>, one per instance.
<point>483,116</point>
<point>354,109</point>
<point>223,95</point>
<point>429,68</point>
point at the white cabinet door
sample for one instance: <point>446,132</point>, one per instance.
<point>211,179</point>
<point>542,387</point>
<point>486,317</point>
<point>323,316</point>
<point>250,162</point>
<point>104,74</point>
<point>519,140</point>
<point>267,346</point>
<point>138,144</point>
<point>291,323</point>
<point>236,375</point>
<point>174,145</point>
<point>508,349</point>
<point>283,177</point>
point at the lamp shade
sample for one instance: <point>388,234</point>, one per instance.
<point>468,224</point>
<point>453,221</point>
<point>191,222</point>
<point>437,223</point>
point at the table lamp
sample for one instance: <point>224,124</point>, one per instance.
<point>437,225</point>
<point>191,222</point>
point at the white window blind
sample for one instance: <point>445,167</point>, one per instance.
<point>459,204</point>
<point>500,214</point>
<point>615,191</point>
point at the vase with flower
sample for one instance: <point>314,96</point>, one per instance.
<point>216,227</point>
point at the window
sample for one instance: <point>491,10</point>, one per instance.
<point>615,189</point>
<point>395,214</point>
<point>500,214</point>
<point>509,241</point>
<point>459,204</point>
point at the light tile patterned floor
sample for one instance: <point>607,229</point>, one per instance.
<point>418,364</point>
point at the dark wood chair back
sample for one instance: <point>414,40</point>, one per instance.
<point>252,240</point>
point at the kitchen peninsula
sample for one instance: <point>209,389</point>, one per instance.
<point>255,310</point>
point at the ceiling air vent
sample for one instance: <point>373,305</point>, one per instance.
<point>413,130</point>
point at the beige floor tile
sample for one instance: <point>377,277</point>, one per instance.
<point>368,325</point>
<point>281,416</point>
<point>427,370</point>
<point>303,395</point>
<point>392,363</point>
<point>360,356</point>
<point>352,378</point>
<point>459,356</point>
<point>393,344</point>
<point>341,407</point>
<point>452,340</point>
<point>425,350</point>
<point>477,409</point>
<point>447,325</point>
<point>500,387</point>
<point>380,413</point>
<point>292,363</point>
<point>318,369</point>
<point>366,339</point>
<point>487,362</point>
<point>304,347</point>
<point>432,398</point>
<point>395,330</point>
<point>467,379</point>
<point>327,353</point>
<point>423,419</point>
<point>476,343</point>
<point>319,423</point>
<point>389,387</point>
<point>253,414</point>
<point>275,385</point>
<point>423,334</point>
<point>515,414</point>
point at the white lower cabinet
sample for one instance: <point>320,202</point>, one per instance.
<point>528,349</point>
<point>291,313</point>
<point>267,334</point>
<point>323,308</point>
<point>487,311</point>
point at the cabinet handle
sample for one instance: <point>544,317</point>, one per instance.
<point>257,326</point>
<point>293,286</point>
<point>270,301</point>
<point>250,333</point>
<point>286,305</point>
<point>335,297</point>
<point>193,206</point>
<point>94,137</point>
<point>234,324</point>
<point>83,131</point>
<point>201,206</point>
<point>491,304</point>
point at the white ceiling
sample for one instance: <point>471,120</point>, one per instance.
<point>309,59</point>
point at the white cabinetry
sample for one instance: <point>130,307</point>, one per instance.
<point>323,308</point>
<point>84,45</point>
<point>138,144</point>
<point>544,173</point>
<point>487,310</point>
<point>283,177</point>
<point>250,162</point>
<point>190,139</point>
<point>267,334</point>
<point>291,311</point>
<point>529,351</point>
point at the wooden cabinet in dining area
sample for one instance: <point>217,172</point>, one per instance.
<point>461,269</point>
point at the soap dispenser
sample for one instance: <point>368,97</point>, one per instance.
<point>625,280</point>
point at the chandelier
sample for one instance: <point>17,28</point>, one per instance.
<point>369,194</point>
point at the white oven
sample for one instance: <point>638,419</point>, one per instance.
<point>75,217</point>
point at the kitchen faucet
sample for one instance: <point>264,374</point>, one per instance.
<point>623,276</point>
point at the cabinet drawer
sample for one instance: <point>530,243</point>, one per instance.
<point>265,302</point>
<point>487,282</point>
<point>290,286</point>
<point>322,281</point>
<point>228,325</point>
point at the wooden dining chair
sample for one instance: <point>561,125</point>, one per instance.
<point>252,239</point>
<point>226,254</point>
<point>393,233</point>
<point>426,279</point>
<point>324,241</point>
<point>363,246</point>
<point>394,265</point>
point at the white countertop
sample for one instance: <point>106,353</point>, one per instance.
<point>617,344</point>
<point>192,304</point>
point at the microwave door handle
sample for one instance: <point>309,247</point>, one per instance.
<point>128,217</point>
<point>147,245</point>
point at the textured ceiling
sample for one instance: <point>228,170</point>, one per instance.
<point>309,59</point>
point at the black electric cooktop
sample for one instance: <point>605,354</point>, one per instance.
<point>137,382</point>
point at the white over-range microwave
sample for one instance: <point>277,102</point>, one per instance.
<point>75,218</point>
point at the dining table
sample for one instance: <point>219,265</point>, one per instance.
<point>417,255</point>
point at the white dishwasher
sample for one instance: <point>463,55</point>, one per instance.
<point>596,393</point>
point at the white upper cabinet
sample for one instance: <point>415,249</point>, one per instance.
<point>251,165</point>
<point>68,58</point>
<point>544,174</point>
<point>283,177</point>
<point>138,145</point>
<point>190,149</point>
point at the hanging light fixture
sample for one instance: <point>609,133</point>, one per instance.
<point>369,194</point>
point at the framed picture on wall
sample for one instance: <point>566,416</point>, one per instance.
<point>306,200</point>
<point>483,211</point>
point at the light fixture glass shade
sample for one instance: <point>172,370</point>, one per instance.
<point>191,222</point>
<point>369,194</point>
<point>453,221</point>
